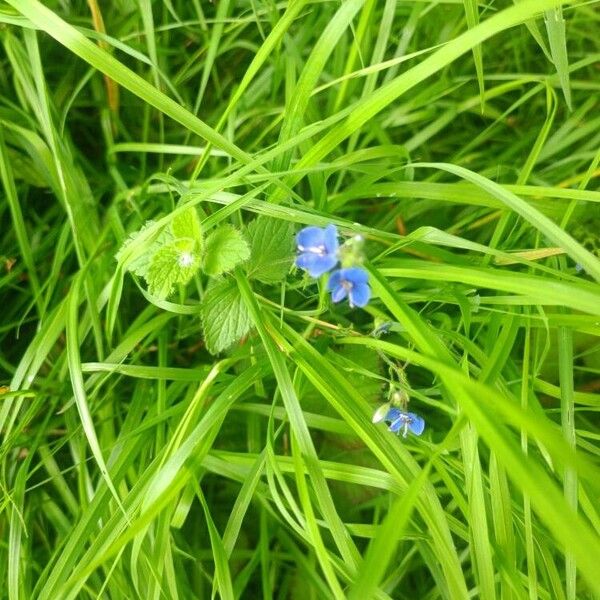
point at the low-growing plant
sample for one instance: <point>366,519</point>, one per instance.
<point>300,300</point>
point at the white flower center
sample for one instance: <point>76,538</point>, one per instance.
<point>186,259</point>
<point>320,250</point>
<point>406,422</point>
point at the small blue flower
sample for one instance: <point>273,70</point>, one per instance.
<point>318,249</point>
<point>352,282</point>
<point>399,419</point>
<point>405,421</point>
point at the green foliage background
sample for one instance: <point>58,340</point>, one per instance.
<point>461,139</point>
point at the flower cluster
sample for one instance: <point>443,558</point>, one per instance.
<point>399,420</point>
<point>319,252</point>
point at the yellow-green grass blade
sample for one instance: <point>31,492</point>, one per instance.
<point>472,15</point>
<point>542,223</point>
<point>556,28</point>
<point>67,35</point>
<point>367,108</point>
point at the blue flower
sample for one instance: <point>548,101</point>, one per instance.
<point>405,421</point>
<point>318,249</point>
<point>399,419</point>
<point>352,282</point>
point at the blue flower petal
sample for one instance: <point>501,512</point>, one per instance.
<point>393,414</point>
<point>335,280</point>
<point>396,425</point>
<point>330,239</point>
<point>350,282</point>
<point>310,237</point>
<point>318,249</point>
<point>315,264</point>
<point>407,422</point>
<point>339,293</point>
<point>307,260</point>
<point>355,275</point>
<point>360,294</point>
<point>416,424</point>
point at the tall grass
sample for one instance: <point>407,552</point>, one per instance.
<point>461,140</point>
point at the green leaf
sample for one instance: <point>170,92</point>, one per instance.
<point>225,318</point>
<point>26,169</point>
<point>186,225</point>
<point>225,249</point>
<point>172,264</point>
<point>272,247</point>
<point>142,254</point>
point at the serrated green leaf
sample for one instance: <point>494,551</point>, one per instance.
<point>225,318</point>
<point>142,255</point>
<point>172,264</point>
<point>186,225</point>
<point>272,248</point>
<point>225,249</point>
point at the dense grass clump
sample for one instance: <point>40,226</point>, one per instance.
<point>185,414</point>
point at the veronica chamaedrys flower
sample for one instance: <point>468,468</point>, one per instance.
<point>401,420</point>
<point>318,248</point>
<point>352,283</point>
